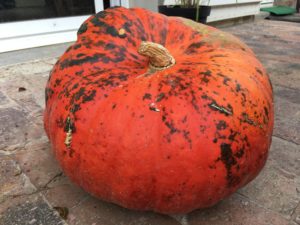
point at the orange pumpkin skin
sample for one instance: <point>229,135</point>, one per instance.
<point>173,141</point>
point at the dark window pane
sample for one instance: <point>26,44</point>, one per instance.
<point>20,10</point>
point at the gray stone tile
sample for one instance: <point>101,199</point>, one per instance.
<point>26,55</point>
<point>13,182</point>
<point>29,210</point>
<point>276,188</point>
<point>235,210</point>
<point>38,163</point>
<point>13,129</point>
<point>3,99</point>
<point>283,73</point>
<point>62,193</point>
<point>287,114</point>
<point>103,213</point>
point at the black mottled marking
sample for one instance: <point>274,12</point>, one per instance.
<point>134,56</point>
<point>75,108</point>
<point>225,80</point>
<point>110,46</point>
<point>127,26</point>
<point>101,14</point>
<point>194,101</point>
<point>77,46</point>
<point>80,55</point>
<point>239,154</point>
<point>112,31</point>
<point>114,106</point>
<point>217,56</point>
<point>184,71</point>
<point>245,118</point>
<point>90,97</point>
<point>123,77</point>
<point>259,71</point>
<point>96,22</point>
<point>229,161</point>
<point>76,62</point>
<point>194,47</point>
<point>205,96</point>
<point>221,125</point>
<point>100,44</point>
<point>57,82</point>
<point>48,93</point>
<point>206,73</point>
<point>184,120</point>
<point>215,140</point>
<point>83,28</point>
<point>186,135</point>
<point>171,126</point>
<point>160,97</point>
<point>75,86</point>
<point>78,73</point>
<point>69,125</point>
<point>79,93</point>
<point>205,76</point>
<point>69,49</point>
<point>147,96</point>
<point>266,112</point>
<point>238,87</point>
<point>232,135</point>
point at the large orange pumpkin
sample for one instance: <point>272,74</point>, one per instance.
<point>158,113</point>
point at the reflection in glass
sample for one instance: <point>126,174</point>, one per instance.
<point>19,10</point>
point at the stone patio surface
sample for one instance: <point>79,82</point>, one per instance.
<point>34,191</point>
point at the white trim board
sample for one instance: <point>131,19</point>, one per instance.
<point>17,43</point>
<point>215,2</point>
<point>42,26</point>
<point>232,11</point>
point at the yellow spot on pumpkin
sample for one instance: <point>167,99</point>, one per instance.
<point>122,31</point>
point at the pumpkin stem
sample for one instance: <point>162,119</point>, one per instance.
<point>160,57</point>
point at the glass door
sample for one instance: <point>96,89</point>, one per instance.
<point>32,23</point>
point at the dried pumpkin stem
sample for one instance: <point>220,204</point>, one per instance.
<point>160,57</point>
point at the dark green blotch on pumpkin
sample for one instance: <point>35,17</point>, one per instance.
<point>48,93</point>
<point>221,125</point>
<point>80,55</point>
<point>75,108</point>
<point>228,159</point>
<point>259,71</point>
<point>160,97</point>
<point>147,96</point>
<point>101,14</point>
<point>90,97</point>
<point>238,87</point>
<point>69,125</point>
<point>76,62</point>
<point>266,111</point>
<point>77,46</point>
<point>83,28</point>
